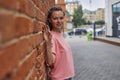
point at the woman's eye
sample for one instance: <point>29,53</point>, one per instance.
<point>61,17</point>
<point>54,18</point>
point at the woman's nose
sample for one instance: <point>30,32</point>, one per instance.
<point>59,20</point>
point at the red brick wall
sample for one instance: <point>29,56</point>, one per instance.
<point>22,46</point>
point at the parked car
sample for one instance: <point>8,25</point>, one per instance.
<point>78,31</point>
<point>70,33</point>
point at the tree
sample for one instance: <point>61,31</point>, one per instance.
<point>101,22</point>
<point>77,16</point>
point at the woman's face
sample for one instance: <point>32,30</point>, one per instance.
<point>57,19</point>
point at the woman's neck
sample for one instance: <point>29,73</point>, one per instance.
<point>57,30</point>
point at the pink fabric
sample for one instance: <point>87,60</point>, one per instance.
<point>63,61</point>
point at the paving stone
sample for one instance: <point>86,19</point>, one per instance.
<point>95,60</point>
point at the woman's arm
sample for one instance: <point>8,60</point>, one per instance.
<point>47,38</point>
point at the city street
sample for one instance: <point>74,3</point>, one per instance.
<point>95,60</point>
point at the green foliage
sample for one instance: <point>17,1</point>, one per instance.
<point>100,22</point>
<point>77,16</point>
<point>87,23</point>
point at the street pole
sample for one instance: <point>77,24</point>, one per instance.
<point>94,32</point>
<point>93,23</point>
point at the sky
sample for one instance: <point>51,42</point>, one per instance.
<point>94,4</point>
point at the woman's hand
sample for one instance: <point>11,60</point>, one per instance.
<point>47,35</point>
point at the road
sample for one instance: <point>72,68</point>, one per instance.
<point>95,60</point>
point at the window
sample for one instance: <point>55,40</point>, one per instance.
<point>118,7</point>
<point>114,8</point>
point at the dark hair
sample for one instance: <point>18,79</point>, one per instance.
<point>50,11</point>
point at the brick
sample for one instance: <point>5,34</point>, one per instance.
<point>7,28</point>
<point>30,9</point>
<point>33,74</point>
<point>39,15</point>
<point>22,6</point>
<point>46,6</point>
<point>24,67</point>
<point>38,4</point>
<point>40,61</point>
<point>24,25</point>
<point>27,7</point>
<point>11,4</point>
<point>19,49</point>
<point>37,26</point>
<point>41,48</point>
<point>6,60</point>
<point>40,58</point>
<point>39,68</point>
<point>36,39</point>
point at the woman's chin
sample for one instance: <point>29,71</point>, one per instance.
<point>59,28</point>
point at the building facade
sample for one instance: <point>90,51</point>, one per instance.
<point>100,14</point>
<point>62,4</point>
<point>91,16</point>
<point>112,18</point>
<point>70,6</point>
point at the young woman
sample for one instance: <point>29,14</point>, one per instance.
<point>59,55</point>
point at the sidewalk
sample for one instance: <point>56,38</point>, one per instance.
<point>111,40</point>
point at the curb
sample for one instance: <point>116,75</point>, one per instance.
<point>108,41</point>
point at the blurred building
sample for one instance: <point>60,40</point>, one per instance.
<point>69,20</point>
<point>70,6</point>
<point>112,18</point>
<point>89,16</point>
<point>62,4</point>
<point>100,14</point>
<point>97,15</point>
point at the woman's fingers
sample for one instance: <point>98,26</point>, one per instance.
<point>47,35</point>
